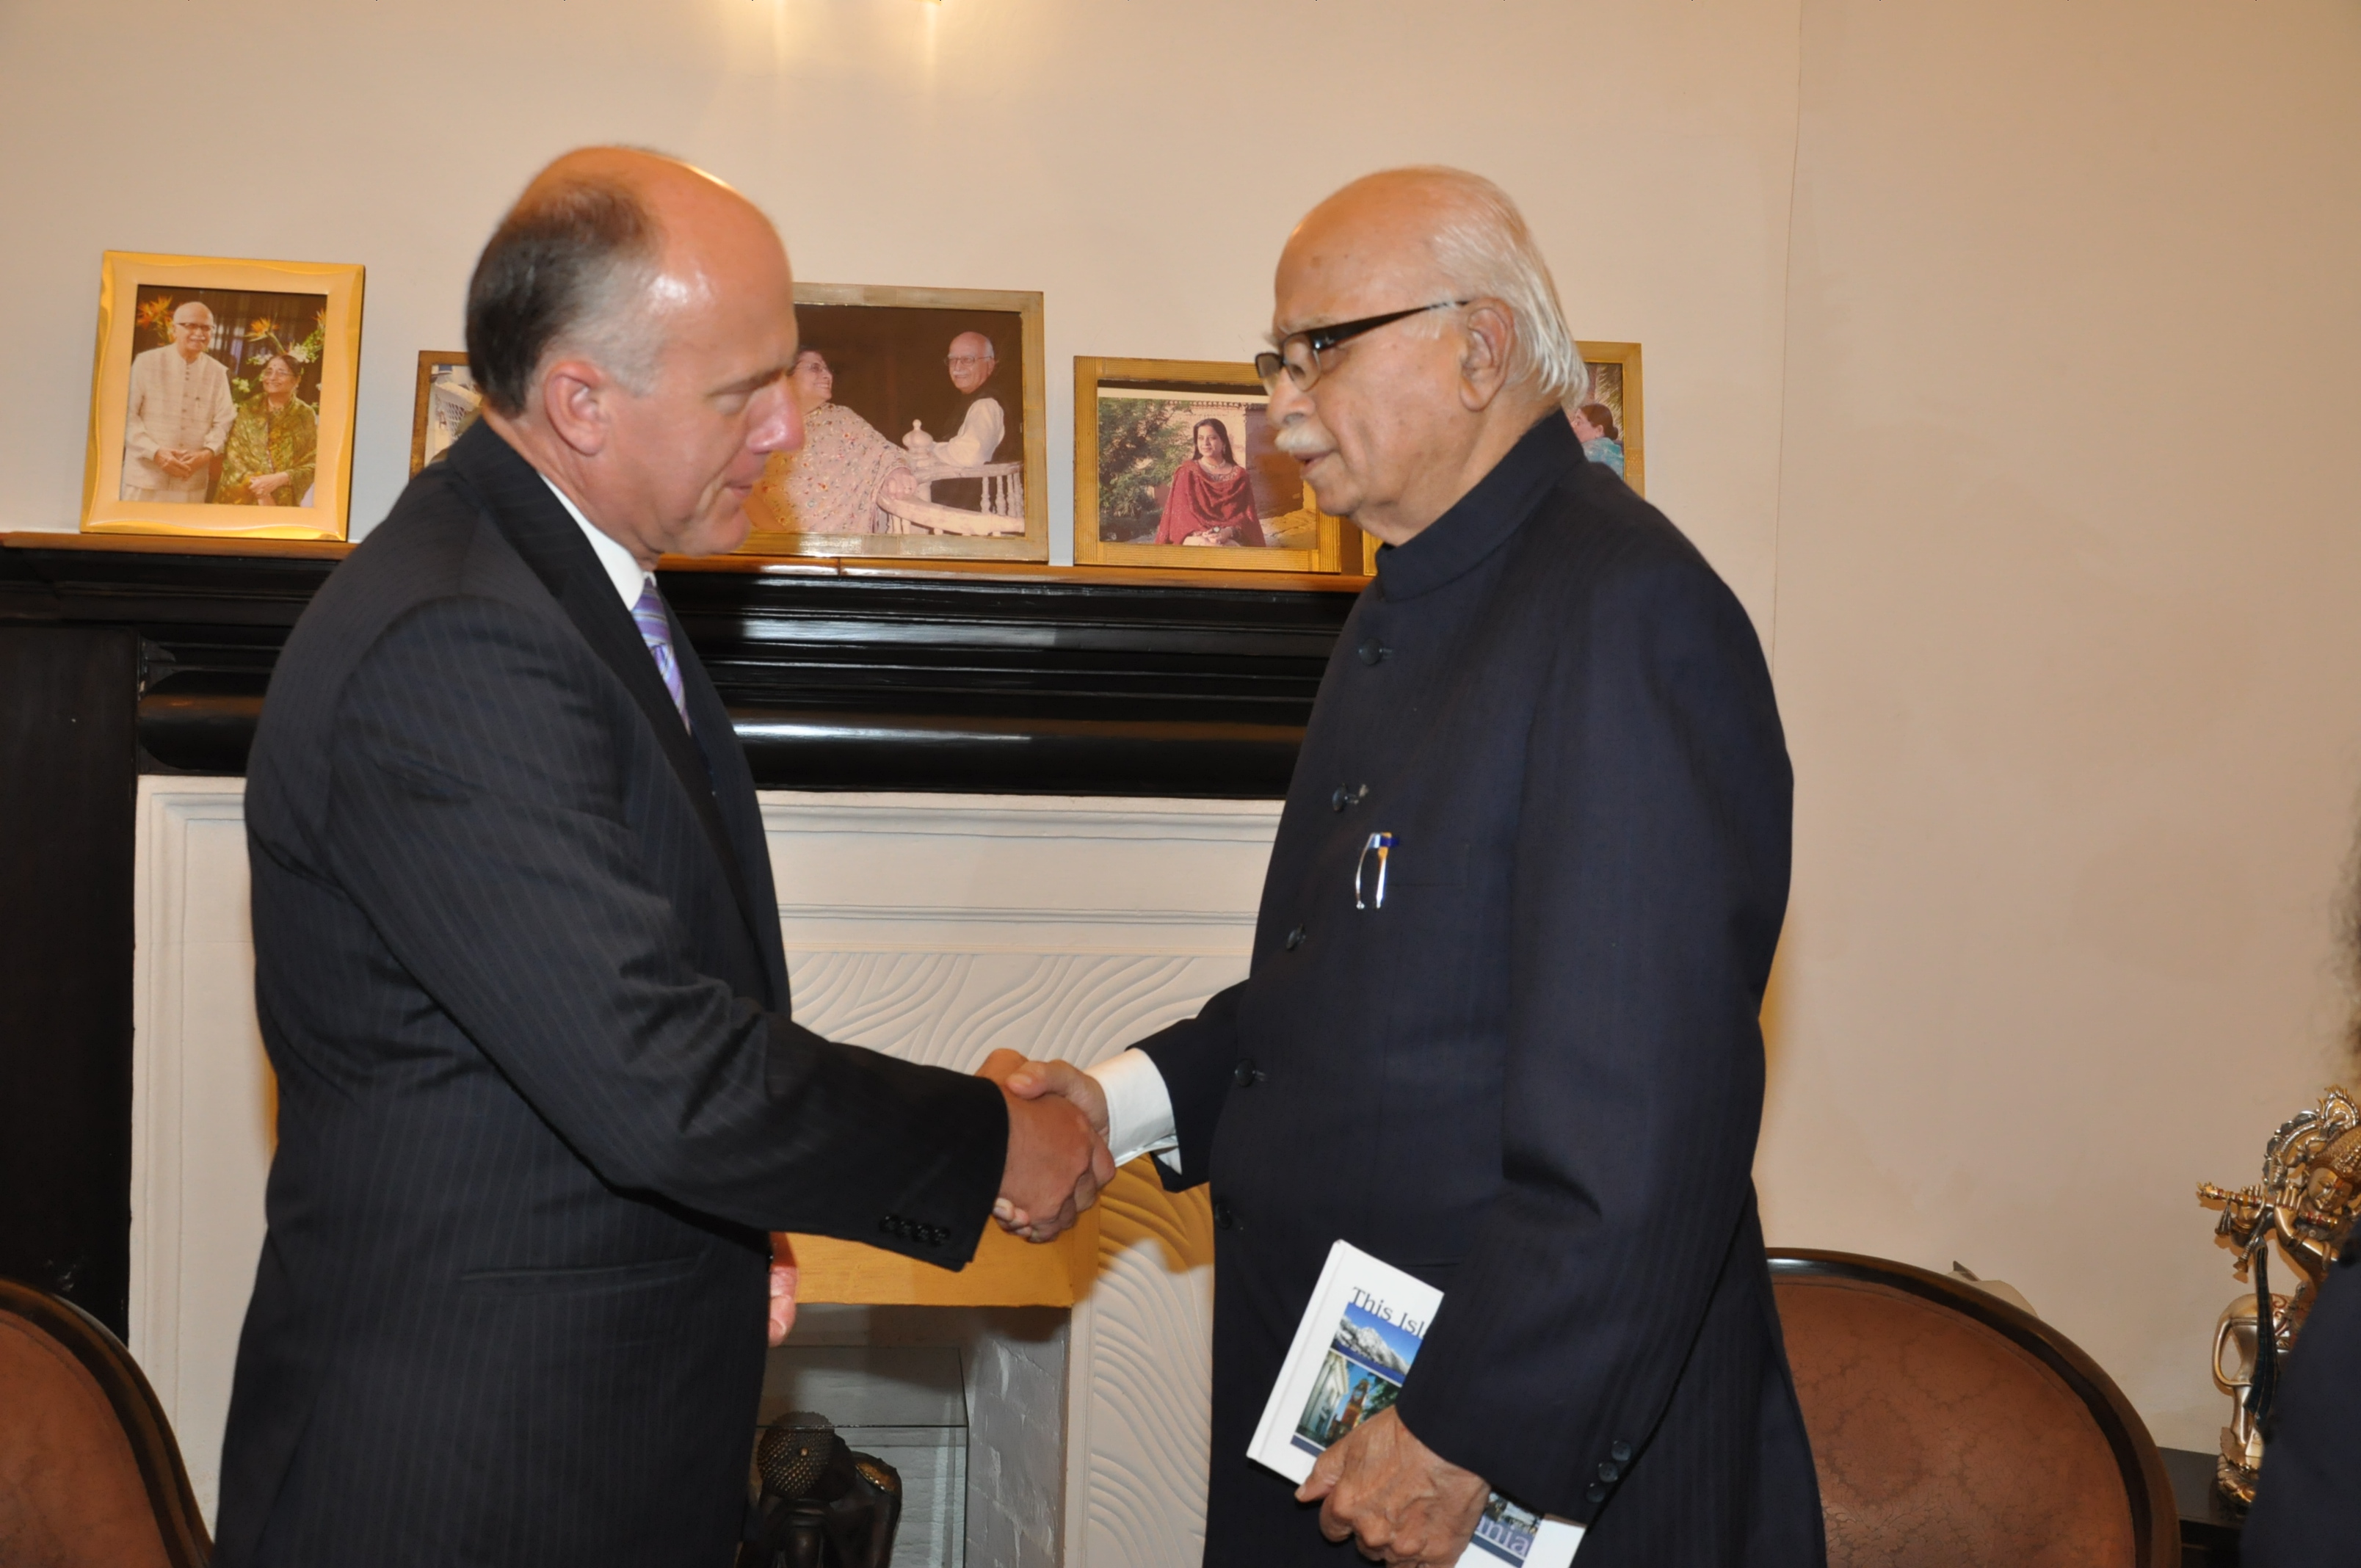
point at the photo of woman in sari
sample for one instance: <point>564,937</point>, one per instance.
<point>274,444</point>
<point>1211,499</point>
<point>833,484</point>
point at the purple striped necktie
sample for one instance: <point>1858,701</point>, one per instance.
<point>656,632</point>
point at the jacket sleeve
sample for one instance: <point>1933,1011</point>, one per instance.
<point>1196,1057</point>
<point>476,812</point>
<point>1650,881</point>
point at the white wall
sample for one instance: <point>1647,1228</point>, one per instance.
<point>2038,465</point>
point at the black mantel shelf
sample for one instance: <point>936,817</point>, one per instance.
<point>839,674</point>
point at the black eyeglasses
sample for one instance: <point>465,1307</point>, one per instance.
<point>1298,351</point>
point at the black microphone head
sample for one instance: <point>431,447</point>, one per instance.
<point>795,1454</point>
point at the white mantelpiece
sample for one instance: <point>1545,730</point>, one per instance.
<point>936,927</point>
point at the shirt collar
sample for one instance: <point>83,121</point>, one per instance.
<point>620,568</point>
<point>1481,521</point>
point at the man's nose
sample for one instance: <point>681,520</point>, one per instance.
<point>780,426</point>
<point>1287,400</point>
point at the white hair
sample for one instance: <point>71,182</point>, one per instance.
<point>1487,252</point>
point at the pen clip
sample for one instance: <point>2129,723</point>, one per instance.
<point>1383,844</point>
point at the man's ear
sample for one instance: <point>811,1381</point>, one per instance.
<point>1491,337</point>
<point>574,394</point>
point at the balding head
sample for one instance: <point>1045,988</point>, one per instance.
<point>1403,418</point>
<point>1459,237</point>
<point>575,266</point>
<point>632,323</point>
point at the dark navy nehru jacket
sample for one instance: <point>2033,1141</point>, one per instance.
<point>1533,1074</point>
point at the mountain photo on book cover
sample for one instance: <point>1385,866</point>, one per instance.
<point>1361,1375</point>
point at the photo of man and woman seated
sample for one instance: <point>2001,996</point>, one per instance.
<point>225,397</point>
<point>913,424</point>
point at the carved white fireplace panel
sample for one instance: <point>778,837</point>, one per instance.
<point>935,928</point>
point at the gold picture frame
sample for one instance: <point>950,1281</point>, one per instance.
<point>445,405</point>
<point>888,353</point>
<point>134,482</point>
<point>1615,382</point>
<point>1130,449</point>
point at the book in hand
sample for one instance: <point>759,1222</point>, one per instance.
<point>1351,1352</point>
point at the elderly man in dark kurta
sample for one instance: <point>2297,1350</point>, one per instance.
<point>1532,1073</point>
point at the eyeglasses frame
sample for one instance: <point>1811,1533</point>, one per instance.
<point>1319,340</point>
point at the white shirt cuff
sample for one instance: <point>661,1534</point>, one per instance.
<point>1139,1109</point>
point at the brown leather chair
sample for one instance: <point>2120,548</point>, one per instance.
<point>90,1477</point>
<point>1952,1430</point>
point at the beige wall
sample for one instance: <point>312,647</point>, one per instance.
<point>2033,471</point>
<point>2066,642</point>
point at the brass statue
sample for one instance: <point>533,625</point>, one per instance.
<point>2306,1201</point>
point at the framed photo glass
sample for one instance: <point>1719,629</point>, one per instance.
<point>1607,419</point>
<point>1174,468</point>
<point>222,397</point>
<point>446,404</point>
<point>923,435</point>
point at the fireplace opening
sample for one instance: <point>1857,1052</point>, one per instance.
<point>967,1403</point>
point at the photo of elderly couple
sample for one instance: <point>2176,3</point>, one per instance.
<point>224,400</point>
<point>914,423</point>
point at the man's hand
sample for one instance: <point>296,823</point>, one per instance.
<point>1032,1080</point>
<point>1401,1502</point>
<point>783,1288</point>
<point>1057,1159</point>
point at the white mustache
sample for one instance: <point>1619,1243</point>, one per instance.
<point>1297,439</point>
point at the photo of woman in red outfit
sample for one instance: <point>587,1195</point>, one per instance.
<point>1211,499</point>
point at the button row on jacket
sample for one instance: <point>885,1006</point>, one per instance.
<point>911,1231</point>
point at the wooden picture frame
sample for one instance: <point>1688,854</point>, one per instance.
<point>1127,468</point>
<point>1615,382</point>
<point>170,437</point>
<point>445,404</point>
<point>888,350</point>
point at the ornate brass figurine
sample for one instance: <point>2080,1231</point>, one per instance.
<point>2306,1201</point>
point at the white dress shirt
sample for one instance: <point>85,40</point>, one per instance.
<point>1139,1109</point>
<point>622,569</point>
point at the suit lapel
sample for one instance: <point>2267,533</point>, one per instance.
<point>742,813</point>
<point>529,515</point>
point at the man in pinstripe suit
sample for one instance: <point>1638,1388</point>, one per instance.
<point>518,957</point>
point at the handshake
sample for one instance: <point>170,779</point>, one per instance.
<point>1058,1157</point>
<point>1058,1160</point>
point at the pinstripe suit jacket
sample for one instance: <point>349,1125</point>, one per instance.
<point>519,973</point>
<point>1531,1074</point>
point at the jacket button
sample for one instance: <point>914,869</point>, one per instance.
<point>1347,795</point>
<point>1621,1452</point>
<point>1224,1217</point>
<point>1372,651</point>
<point>1609,1472</point>
<point>1295,939</point>
<point>1597,1494</point>
<point>1246,1075</point>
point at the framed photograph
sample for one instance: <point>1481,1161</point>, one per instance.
<point>222,397</point>
<point>1608,418</point>
<point>447,403</point>
<point>1174,466</point>
<point>923,435</point>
